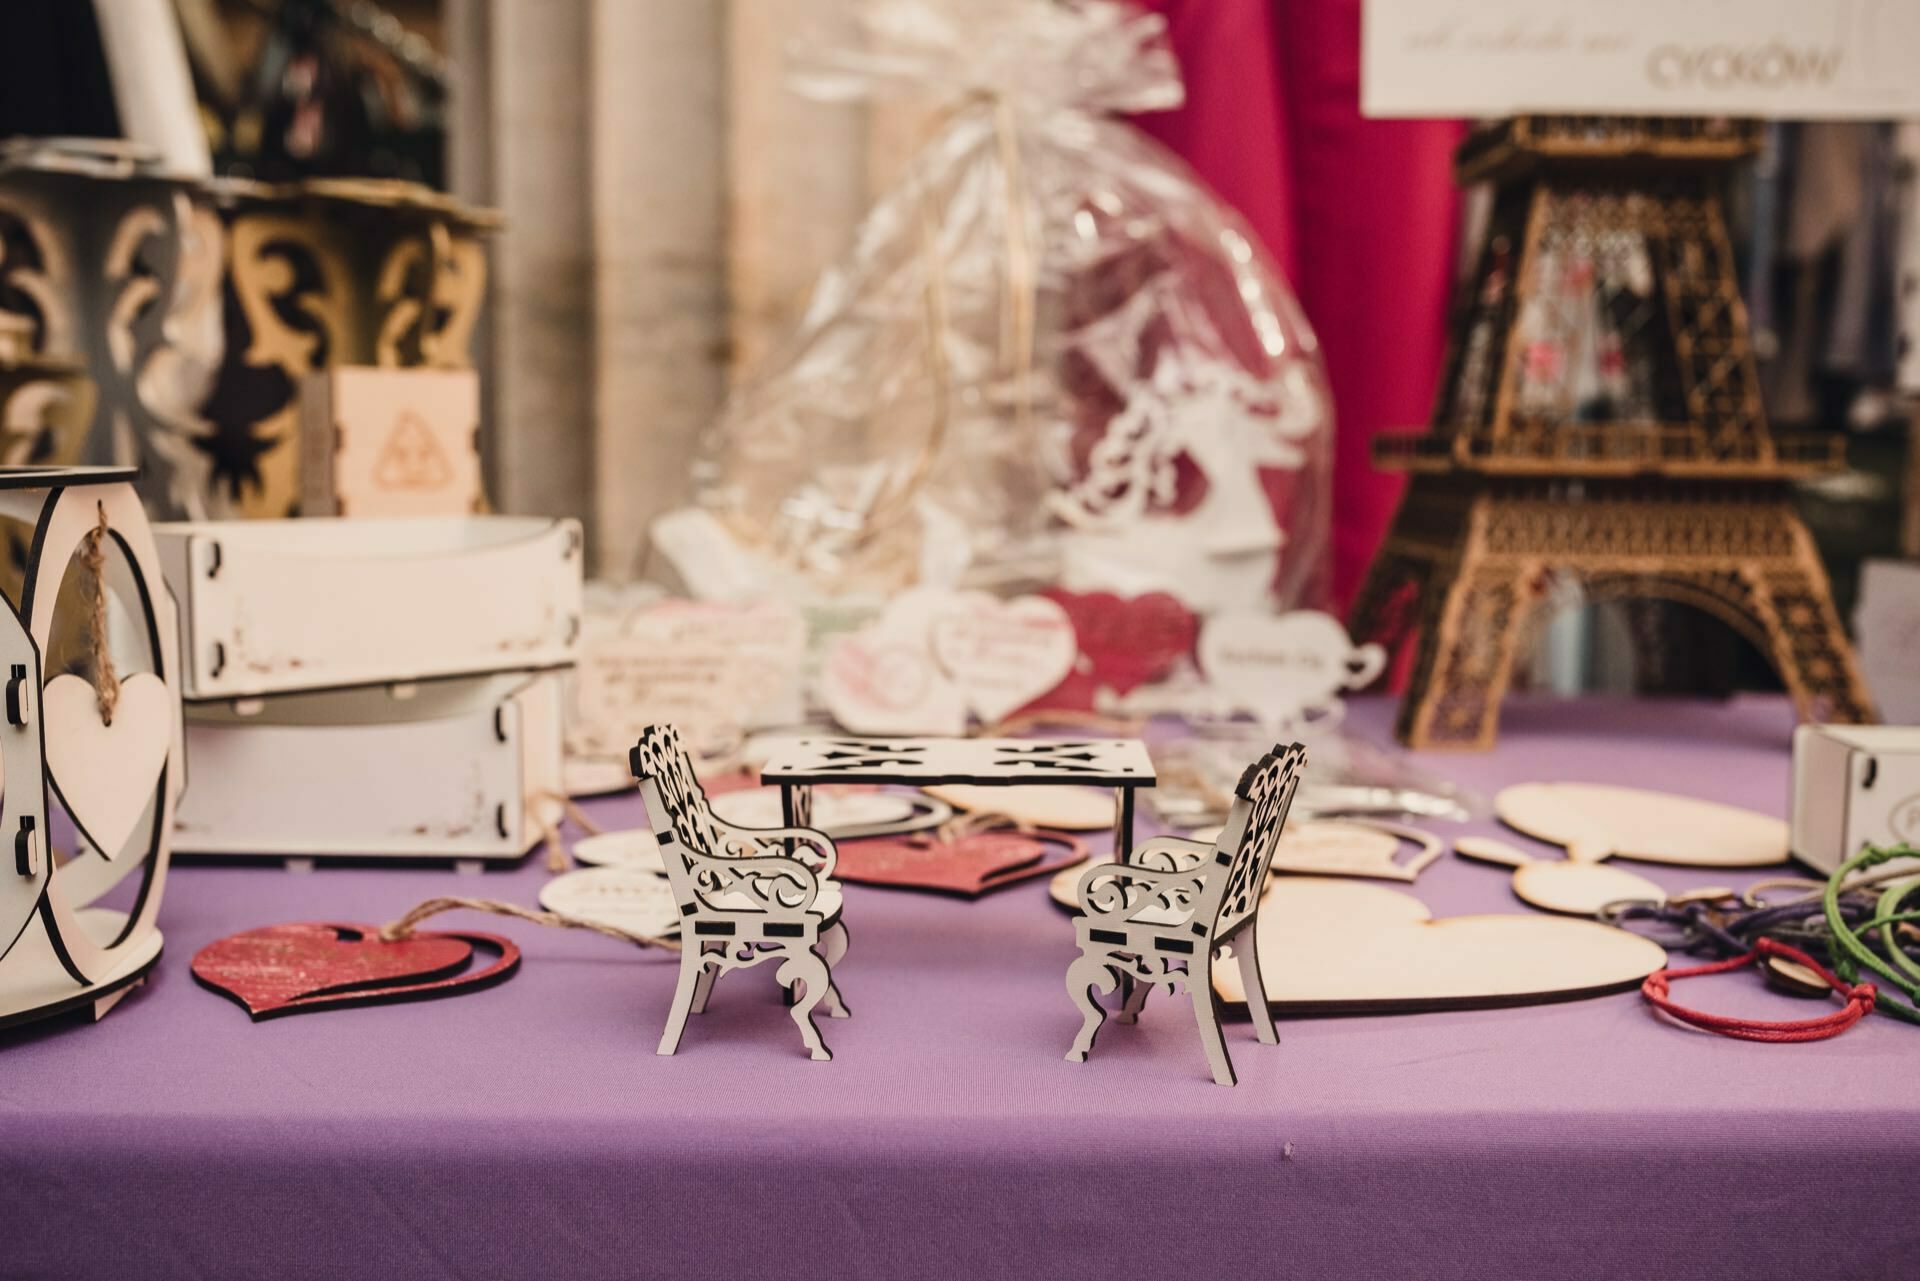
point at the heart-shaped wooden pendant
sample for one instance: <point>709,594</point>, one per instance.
<point>106,774</point>
<point>874,683</point>
<point>1124,644</point>
<point>323,965</point>
<point>970,866</point>
<point>1003,654</point>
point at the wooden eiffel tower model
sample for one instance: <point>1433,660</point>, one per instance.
<point>1599,417</point>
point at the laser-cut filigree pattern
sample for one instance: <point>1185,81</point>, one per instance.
<point>1600,418</point>
<point>746,895</point>
<point>1159,919</point>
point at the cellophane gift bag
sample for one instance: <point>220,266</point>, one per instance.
<point>1052,356</point>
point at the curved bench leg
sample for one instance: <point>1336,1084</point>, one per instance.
<point>1083,976</point>
<point>1136,1001</point>
<point>833,946</point>
<point>1255,987</point>
<point>1206,1012</point>
<point>703,988</point>
<point>810,972</point>
<point>691,969</point>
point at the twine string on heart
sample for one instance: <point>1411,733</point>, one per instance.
<point>559,853</point>
<point>93,555</point>
<point>394,931</point>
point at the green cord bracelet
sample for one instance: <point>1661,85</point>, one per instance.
<point>1849,953</point>
<point>1888,915</point>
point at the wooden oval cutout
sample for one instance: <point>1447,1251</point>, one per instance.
<point>623,897</point>
<point>637,849</point>
<point>1593,821</point>
<point>1580,889</point>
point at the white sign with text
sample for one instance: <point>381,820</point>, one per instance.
<point>1781,59</point>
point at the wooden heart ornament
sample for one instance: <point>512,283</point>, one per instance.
<point>106,774</point>
<point>1003,654</point>
<point>1124,644</point>
<point>878,683</point>
<point>319,965</point>
<point>1394,956</point>
<point>1594,821</point>
<point>935,655</point>
<point>970,866</point>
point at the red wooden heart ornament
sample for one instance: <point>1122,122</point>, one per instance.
<point>970,866</point>
<point>319,965</point>
<point>1124,643</point>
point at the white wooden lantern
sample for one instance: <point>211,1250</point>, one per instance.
<point>103,742</point>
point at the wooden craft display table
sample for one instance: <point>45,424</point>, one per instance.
<point>1119,763</point>
<point>529,1130</point>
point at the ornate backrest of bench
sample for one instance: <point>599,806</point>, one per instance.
<point>1173,883</point>
<point>666,774</point>
<point>724,868</point>
<point>1252,834</point>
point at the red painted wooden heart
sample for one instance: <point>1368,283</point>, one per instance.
<point>318,965</point>
<point>970,866</point>
<point>1124,644</point>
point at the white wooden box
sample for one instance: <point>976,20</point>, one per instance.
<point>464,769</point>
<point>1854,785</point>
<point>273,606</point>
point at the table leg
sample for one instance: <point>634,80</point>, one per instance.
<point>1122,851</point>
<point>796,808</point>
<point>796,804</point>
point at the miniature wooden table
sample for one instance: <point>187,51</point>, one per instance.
<point>1119,763</point>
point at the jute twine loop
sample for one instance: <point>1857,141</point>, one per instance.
<point>106,681</point>
<point>559,853</point>
<point>403,928</point>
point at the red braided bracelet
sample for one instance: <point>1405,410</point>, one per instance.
<point>1859,999</point>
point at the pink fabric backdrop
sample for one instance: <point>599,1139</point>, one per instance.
<point>1361,215</point>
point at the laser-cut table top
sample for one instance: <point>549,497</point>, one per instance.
<point>1094,762</point>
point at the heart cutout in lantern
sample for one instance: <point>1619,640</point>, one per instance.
<point>106,774</point>
<point>1124,644</point>
<point>970,866</point>
<point>319,965</point>
<point>1003,654</point>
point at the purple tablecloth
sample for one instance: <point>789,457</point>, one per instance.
<point>529,1131</point>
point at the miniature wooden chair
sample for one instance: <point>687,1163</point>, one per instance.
<point>1159,918</point>
<point>746,895</point>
